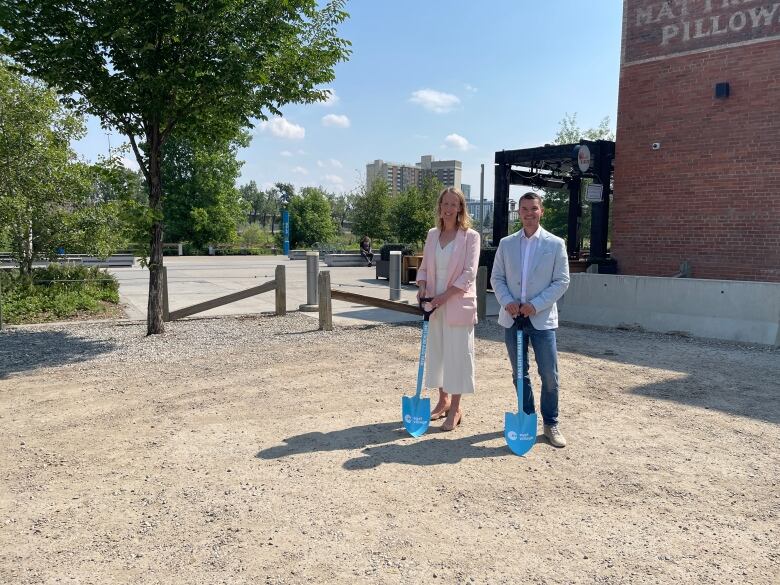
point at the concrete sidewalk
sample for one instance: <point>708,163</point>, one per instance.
<point>194,279</point>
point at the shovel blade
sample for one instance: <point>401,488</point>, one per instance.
<point>520,431</point>
<point>416,413</point>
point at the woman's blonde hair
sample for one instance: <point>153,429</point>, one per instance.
<point>463,219</point>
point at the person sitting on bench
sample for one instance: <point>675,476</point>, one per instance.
<point>365,250</point>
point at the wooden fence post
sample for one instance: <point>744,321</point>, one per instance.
<point>481,293</point>
<point>326,313</point>
<point>166,308</point>
<point>281,290</point>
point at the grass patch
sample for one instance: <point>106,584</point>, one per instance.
<point>58,293</point>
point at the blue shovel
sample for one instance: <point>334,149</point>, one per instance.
<point>520,428</point>
<point>416,411</point>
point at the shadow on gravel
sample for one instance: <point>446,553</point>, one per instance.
<point>378,445</point>
<point>737,397</point>
<point>738,380</point>
<point>344,439</point>
<point>22,351</point>
<point>431,450</point>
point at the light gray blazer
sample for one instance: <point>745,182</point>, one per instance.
<point>548,278</point>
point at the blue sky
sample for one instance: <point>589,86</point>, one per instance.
<point>453,78</point>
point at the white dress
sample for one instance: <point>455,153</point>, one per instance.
<point>449,358</point>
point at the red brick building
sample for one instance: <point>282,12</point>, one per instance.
<point>697,169</point>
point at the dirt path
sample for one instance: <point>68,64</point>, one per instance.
<point>261,451</point>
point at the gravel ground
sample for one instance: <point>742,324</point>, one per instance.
<point>259,450</point>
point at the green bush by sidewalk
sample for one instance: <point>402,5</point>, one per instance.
<point>57,292</point>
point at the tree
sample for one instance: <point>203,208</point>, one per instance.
<point>256,200</point>
<point>112,181</point>
<point>202,204</point>
<point>146,67</point>
<point>413,212</point>
<point>556,201</point>
<point>45,196</point>
<point>310,218</point>
<point>341,207</point>
<point>281,195</point>
<point>370,216</point>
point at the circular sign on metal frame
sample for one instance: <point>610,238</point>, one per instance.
<point>583,157</point>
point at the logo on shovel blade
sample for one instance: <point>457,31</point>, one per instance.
<point>408,418</point>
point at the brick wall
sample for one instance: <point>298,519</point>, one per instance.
<point>711,194</point>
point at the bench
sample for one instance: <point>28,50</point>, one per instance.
<point>348,259</point>
<point>298,254</point>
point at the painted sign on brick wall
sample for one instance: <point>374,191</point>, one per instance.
<point>656,30</point>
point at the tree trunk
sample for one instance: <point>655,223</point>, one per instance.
<point>26,261</point>
<point>154,315</point>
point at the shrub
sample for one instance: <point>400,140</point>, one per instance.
<point>56,292</point>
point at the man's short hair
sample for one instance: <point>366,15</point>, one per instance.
<point>532,195</point>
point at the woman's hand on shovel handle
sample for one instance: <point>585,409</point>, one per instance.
<point>420,290</point>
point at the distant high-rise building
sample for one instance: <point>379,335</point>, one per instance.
<point>466,189</point>
<point>400,176</point>
<point>473,207</point>
<point>397,175</point>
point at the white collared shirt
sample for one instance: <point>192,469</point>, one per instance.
<point>528,246</point>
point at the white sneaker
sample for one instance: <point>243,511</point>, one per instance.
<point>554,435</point>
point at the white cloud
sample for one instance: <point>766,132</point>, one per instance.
<point>286,153</point>
<point>334,180</point>
<point>457,141</point>
<point>332,100</point>
<point>435,101</point>
<point>339,121</point>
<point>300,171</point>
<point>470,88</point>
<point>281,128</point>
<point>129,163</point>
<point>331,161</point>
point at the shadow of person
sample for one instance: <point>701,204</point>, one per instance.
<point>430,451</point>
<point>343,439</point>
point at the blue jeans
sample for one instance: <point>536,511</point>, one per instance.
<point>546,354</point>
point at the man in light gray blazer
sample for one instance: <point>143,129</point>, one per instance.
<point>530,273</point>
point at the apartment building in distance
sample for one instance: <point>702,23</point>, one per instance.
<point>401,176</point>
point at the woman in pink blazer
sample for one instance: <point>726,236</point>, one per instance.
<point>448,273</point>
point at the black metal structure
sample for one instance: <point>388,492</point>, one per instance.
<point>556,167</point>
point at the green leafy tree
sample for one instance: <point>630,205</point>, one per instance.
<point>556,201</point>
<point>202,204</point>
<point>310,218</point>
<point>371,213</point>
<point>112,181</point>
<point>45,197</point>
<point>341,206</point>
<point>411,216</point>
<point>279,197</point>
<point>257,202</point>
<point>146,67</point>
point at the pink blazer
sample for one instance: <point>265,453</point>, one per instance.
<point>461,308</point>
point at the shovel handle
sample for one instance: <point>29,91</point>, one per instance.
<point>426,314</point>
<point>521,321</point>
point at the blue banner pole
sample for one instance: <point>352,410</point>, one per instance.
<point>286,232</point>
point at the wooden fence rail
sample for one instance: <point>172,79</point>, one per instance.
<point>279,284</point>
<point>326,294</point>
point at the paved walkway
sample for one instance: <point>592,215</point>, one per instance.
<point>194,279</point>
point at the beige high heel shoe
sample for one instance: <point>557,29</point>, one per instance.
<point>440,414</point>
<point>458,419</point>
